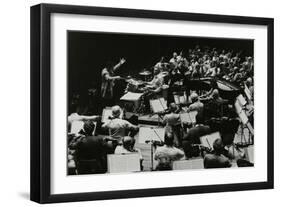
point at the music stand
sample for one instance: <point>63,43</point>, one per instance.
<point>188,117</point>
<point>151,135</point>
<point>247,93</point>
<point>209,139</point>
<point>244,123</point>
<point>158,106</point>
<point>106,113</point>
<point>132,98</point>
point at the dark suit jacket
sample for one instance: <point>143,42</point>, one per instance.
<point>90,147</point>
<point>195,133</point>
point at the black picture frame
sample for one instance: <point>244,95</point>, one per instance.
<point>40,102</point>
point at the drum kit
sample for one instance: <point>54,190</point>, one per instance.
<point>142,86</point>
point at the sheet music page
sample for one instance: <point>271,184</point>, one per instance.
<point>164,103</point>
<point>182,100</point>
<point>185,117</point>
<point>242,115</point>
<point>160,132</point>
<point>146,133</point>
<point>250,154</point>
<point>208,140</point>
<point>238,107</point>
<point>247,92</point>
<point>76,126</point>
<point>123,163</point>
<point>192,115</point>
<point>250,127</point>
<point>177,99</point>
<point>182,165</point>
<point>131,96</point>
<point>156,106</point>
<point>107,112</point>
<point>197,163</point>
<point>241,100</point>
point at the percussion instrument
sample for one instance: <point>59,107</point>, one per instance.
<point>134,85</point>
<point>145,75</point>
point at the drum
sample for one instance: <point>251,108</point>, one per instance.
<point>134,86</point>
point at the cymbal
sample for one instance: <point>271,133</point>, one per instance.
<point>145,73</point>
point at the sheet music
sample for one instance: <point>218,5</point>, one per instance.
<point>250,154</point>
<point>185,117</point>
<point>208,140</point>
<point>163,103</point>
<point>148,133</point>
<point>250,127</point>
<point>192,115</point>
<point>238,107</point>
<point>242,115</point>
<point>188,117</point>
<point>156,106</point>
<point>241,100</point>
<point>76,126</point>
<point>188,164</point>
<point>247,92</point>
<point>177,99</point>
<point>182,100</point>
<point>123,163</point>
<point>106,113</point>
<point>131,96</point>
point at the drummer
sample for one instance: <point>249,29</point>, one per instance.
<point>156,84</point>
<point>162,65</point>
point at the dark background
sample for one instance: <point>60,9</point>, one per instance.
<point>88,53</point>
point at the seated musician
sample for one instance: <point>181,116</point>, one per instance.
<point>249,84</point>
<point>215,104</point>
<point>156,84</point>
<point>216,159</point>
<point>165,155</point>
<point>233,151</point>
<point>161,64</point>
<point>74,117</point>
<point>174,59</point>
<point>196,105</point>
<point>127,147</point>
<point>90,151</point>
<point>118,127</point>
<point>192,137</point>
<point>173,123</point>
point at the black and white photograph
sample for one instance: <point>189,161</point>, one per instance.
<point>143,102</point>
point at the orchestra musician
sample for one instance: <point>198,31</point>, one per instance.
<point>156,84</point>
<point>216,159</point>
<point>108,78</point>
<point>128,147</point>
<point>165,155</point>
<point>161,64</point>
<point>196,105</point>
<point>192,137</point>
<point>75,118</point>
<point>172,122</point>
<point>117,127</point>
<point>174,59</point>
<point>90,151</point>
